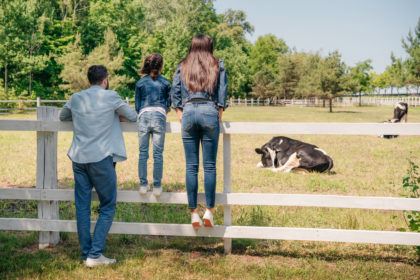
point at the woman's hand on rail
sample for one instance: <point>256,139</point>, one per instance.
<point>179,114</point>
<point>220,114</point>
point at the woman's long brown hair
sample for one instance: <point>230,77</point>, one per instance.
<point>200,69</point>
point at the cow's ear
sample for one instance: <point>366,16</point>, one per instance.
<point>259,151</point>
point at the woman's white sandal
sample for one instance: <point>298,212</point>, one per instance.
<point>208,219</point>
<point>196,221</point>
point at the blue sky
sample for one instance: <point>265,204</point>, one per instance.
<point>359,29</point>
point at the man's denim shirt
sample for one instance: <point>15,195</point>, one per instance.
<point>151,92</point>
<point>180,94</point>
<point>96,126</point>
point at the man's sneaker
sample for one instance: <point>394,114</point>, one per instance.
<point>143,189</point>
<point>196,221</point>
<point>102,260</point>
<point>208,218</point>
<point>157,191</point>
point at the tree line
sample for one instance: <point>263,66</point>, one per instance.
<point>47,45</point>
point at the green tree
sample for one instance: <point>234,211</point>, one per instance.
<point>332,77</point>
<point>411,45</point>
<point>290,72</point>
<point>76,64</point>
<point>360,78</point>
<point>309,84</point>
<point>234,49</point>
<point>264,66</point>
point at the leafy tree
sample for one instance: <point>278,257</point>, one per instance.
<point>264,65</point>
<point>234,49</point>
<point>332,77</point>
<point>360,78</point>
<point>265,53</point>
<point>412,46</point>
<point>290,72</point>
<point>309,84</point>
<point>76,64</point>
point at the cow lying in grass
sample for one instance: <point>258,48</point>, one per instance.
<point>400,115</point>
<point>283,154</point>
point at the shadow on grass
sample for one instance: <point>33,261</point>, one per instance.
<point>20,257</point>
<point>346,112</point>
<point>321,251</point>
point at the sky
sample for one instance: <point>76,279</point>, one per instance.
<point>358,29</point>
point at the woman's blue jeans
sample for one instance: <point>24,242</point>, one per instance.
<point>200,124</point>
<point>151,125</point>
<point>100,175</point>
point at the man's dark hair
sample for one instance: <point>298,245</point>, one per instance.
<point>96,74</point>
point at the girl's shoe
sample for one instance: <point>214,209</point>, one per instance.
<point>143,189</point>
<point>208,218</point>
<point>157,191</point>
<point>102,260</point>
<point>196,221</point>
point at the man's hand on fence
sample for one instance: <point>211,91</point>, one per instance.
<point>122,119</point>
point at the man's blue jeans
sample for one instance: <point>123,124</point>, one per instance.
<point>100,175</point>
<point>200,124</point>
<point>151,125</point>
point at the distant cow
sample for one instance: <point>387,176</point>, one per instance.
<point>400,115</point>
<point>284,154</point>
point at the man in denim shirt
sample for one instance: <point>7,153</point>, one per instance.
<point>97,144</point>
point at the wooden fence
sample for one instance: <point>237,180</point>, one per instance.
<point>47,193</point>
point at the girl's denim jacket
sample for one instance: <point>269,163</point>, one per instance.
<point>151,92</point>
<point>180,95</point>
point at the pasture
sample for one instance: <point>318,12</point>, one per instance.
<point>364,165</point>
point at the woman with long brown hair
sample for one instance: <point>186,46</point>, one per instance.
<point>199,94</point>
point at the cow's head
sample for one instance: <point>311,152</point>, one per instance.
<point>400,112</point>
<point>268,157</point>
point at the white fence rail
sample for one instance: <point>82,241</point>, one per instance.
<point>49,225</point>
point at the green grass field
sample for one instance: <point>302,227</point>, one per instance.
<point>364,165</point>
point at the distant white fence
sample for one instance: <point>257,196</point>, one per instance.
<point>28,105</point>
<point>47,193</point>
<point>317,102</point>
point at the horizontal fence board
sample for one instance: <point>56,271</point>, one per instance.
<point>244,127</point>
<point>248,232</point>
<point>263,199</point>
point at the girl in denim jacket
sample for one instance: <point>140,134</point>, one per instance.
<point>152,103</point>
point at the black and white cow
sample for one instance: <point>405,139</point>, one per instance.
<point>400,115</point>
<point>284,154</point>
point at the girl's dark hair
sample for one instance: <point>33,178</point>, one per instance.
<point>152,65</point>
<point>200,69</point>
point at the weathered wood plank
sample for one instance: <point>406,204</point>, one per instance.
<point>46,176</point>
<point>251,232</point>
<point>264,199</point>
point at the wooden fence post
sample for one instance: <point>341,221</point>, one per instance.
<point>46,174</point>
<point>38,101</point>
<point>227,210</point>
